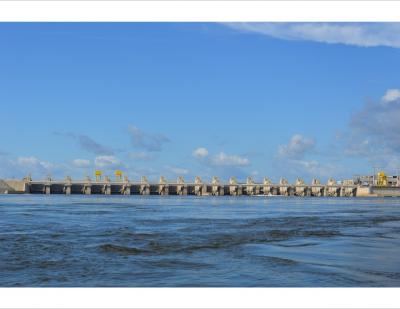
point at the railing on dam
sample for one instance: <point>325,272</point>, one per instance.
<point>198,187</point>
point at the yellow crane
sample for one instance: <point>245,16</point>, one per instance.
<point>118,175</point>
<point>382,179</point>
<point>98,175</point>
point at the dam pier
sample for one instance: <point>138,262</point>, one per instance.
<point>123,186</point>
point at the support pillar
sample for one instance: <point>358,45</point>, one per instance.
<point>181,190</point>
<point>47,189</point>
<point>67,189</point>
<point>27,183</point>
<point>47,185</point>
<point>233,186</point>
<point>87,189</point>
<point>87,186</point>
<point>67,185</point>
<point>163,189</point>
<point>266,190</point>
<point>107,189</point>
<point>215,186</point>
<point>126,189</point>
<point>144,188</point>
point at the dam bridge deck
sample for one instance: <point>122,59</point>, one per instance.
<point>182,188</point>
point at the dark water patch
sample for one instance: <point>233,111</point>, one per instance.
<point>297,245</point>
<point>321,233</point>
<point>384,236</point>
<point>179,264</point>
<point>351,211</point>
<point>384,219</point>
<point>92,212</point>
<point>125,232</point>
<point>287,220</point>
<point>120,249</point>
<point>172,246</point>
<point>223,241</point>
<point>390,275</point>
<point>49,264</point>
<point>81,203</point>
<point>18,238</point>
<point>44,280</point>
<point>279,261</point>
<point>56,235</point>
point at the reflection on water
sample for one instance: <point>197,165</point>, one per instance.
<point>189,241</point>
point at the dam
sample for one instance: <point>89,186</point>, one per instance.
<point>123,186</point>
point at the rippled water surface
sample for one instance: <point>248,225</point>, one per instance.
<point>189,241</point>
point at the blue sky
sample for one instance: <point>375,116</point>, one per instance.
<point>307,100</point>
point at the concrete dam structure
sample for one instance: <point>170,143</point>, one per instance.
<point>123,186</point>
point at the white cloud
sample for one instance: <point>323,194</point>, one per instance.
<point>376,126</point>
<point>297,147</point>
<point>200,152</point>
<point>34,163</point>
<point>24,165</point>
<point>391,95</point>
<point>219,160</point>
<point>293,160</point>
<point>81,163</point>
<point>223,159</point>
<point>106,161</point>
<point>28,161</point>
<point>359,34</point>
<point>374,132</point>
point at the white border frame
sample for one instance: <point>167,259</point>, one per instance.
<point>200,298</point>
<point>196,11</point>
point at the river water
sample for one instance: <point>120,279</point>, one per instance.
<point>134,241</point>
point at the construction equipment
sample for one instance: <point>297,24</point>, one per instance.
<point>382,180</point>
<point>98,175</point>
<point>118,175</point>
